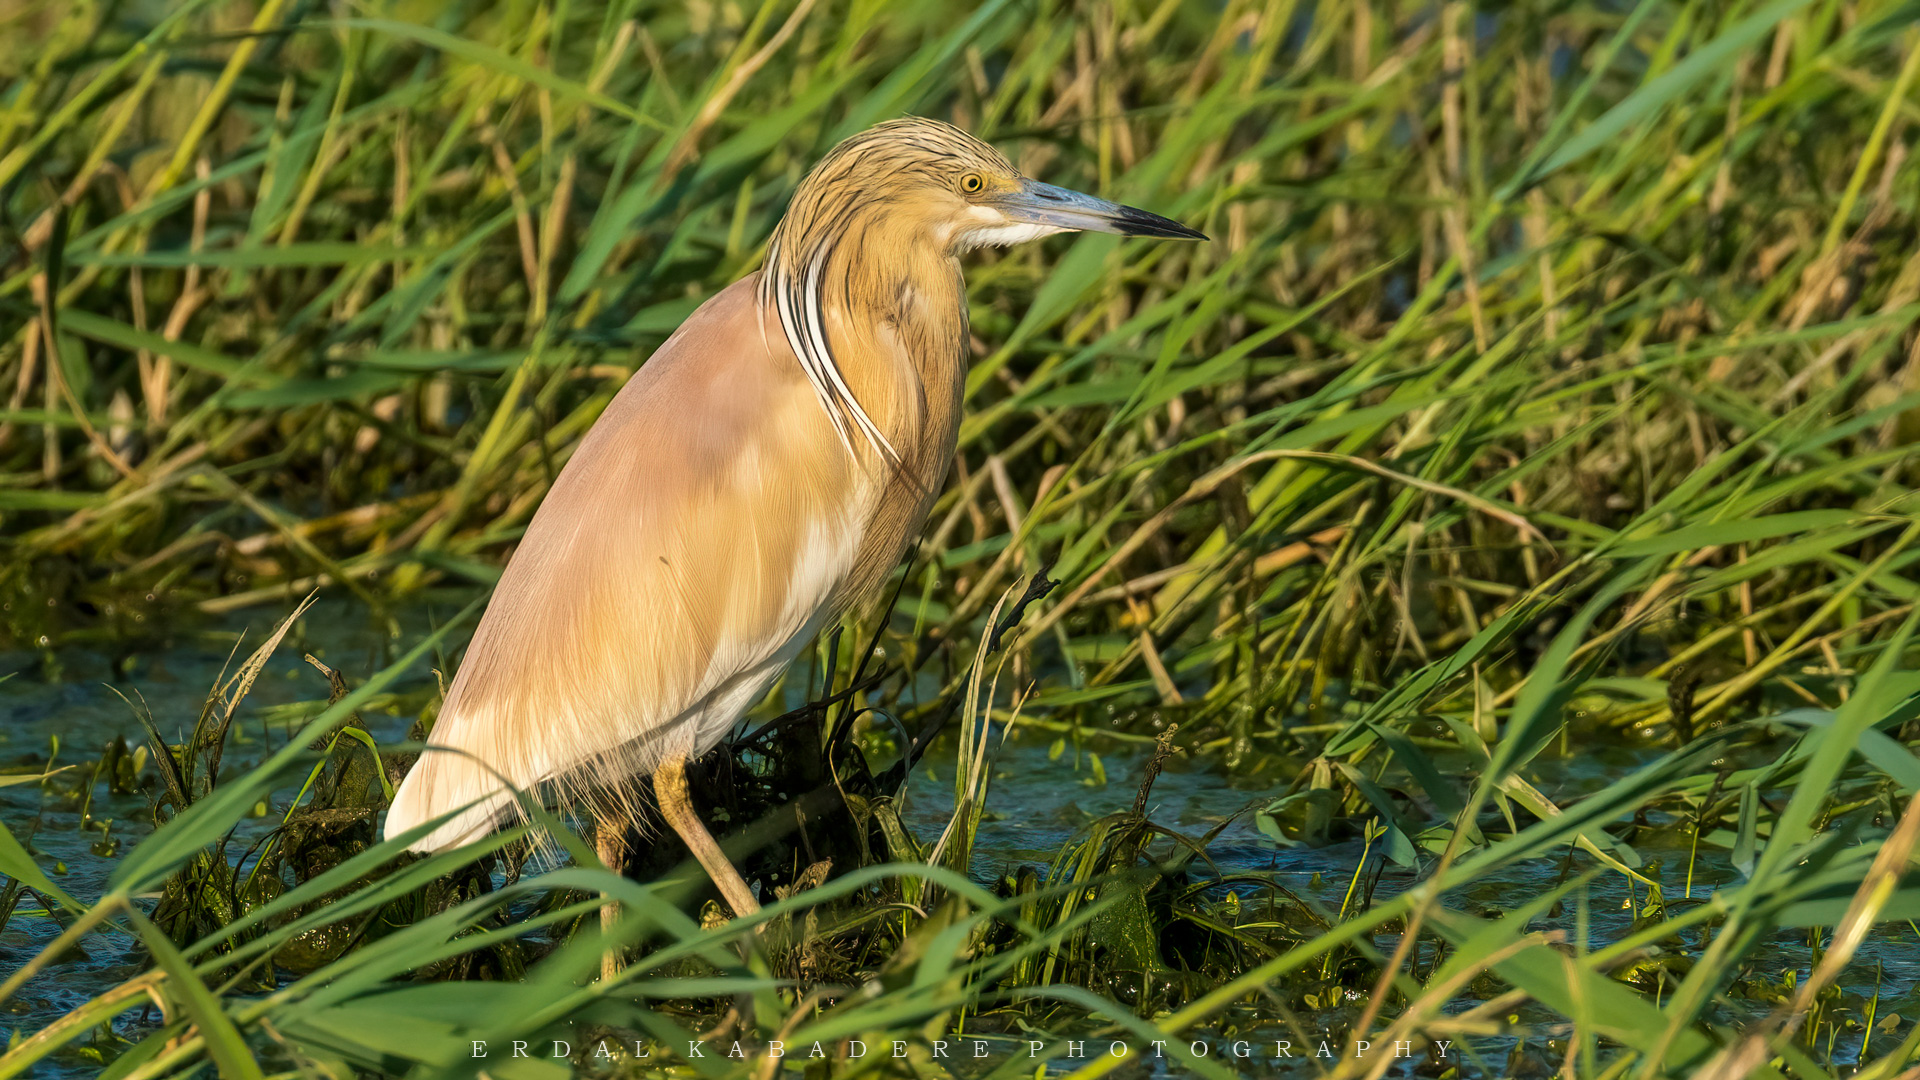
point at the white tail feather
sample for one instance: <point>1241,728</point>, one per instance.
<point>440,781</point>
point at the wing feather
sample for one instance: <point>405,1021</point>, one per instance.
<point>701,534</point>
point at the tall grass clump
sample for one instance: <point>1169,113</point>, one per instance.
<point>1550,385</point>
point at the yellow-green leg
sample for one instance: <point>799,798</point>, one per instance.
<point>670,790</point>
<point>610,843</point>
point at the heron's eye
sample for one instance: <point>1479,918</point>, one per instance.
<point>972,184</point>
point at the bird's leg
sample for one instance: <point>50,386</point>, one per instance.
<point>610,843</point>
<point>670,791</point>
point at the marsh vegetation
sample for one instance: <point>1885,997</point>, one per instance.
<point>1485,600</point>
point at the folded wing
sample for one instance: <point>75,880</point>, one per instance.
<point>701,534</point>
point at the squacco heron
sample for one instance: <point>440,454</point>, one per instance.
<point>764,470</point>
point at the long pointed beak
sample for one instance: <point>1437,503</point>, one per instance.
<point>1036,203</point>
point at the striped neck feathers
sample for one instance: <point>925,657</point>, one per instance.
<point>857,266</point>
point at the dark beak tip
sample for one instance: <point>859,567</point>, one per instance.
<point>1138,222</point>
<point>1177,232</point>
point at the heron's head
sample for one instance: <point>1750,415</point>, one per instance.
<point>951,190</point>
<point>891,203</point>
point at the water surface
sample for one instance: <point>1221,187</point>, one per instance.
<point>62,708</point>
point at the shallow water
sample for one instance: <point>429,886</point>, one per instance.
<point>1053,799</point>
<point>1044,787</point>
<point>63,709</point>
<point>1037,801</point>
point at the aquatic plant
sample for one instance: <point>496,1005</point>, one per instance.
<point>1550,383</point>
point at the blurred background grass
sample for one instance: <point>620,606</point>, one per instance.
<point>1552,378</point>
